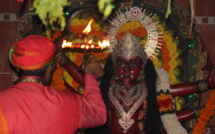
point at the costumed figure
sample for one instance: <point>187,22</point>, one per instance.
<point>132,102</point>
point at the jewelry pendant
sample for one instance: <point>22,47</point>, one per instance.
<point>126,122</point>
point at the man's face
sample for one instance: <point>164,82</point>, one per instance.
<point>128,70</point>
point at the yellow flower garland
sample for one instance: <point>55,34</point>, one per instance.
<point>173,55</point>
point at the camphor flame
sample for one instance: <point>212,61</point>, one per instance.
<point>90,41</point>
<point>105,43</point>
<point>88,28</point>
<point>87,44</point>
<point>66,44</point>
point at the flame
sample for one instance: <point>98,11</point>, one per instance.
<point>87,47</point>
<point>92,46</point>
<point>90,41</point>
<point>105,43</point>
<point>66,44</point>
<point>88,28</point>
<point>82,46</point>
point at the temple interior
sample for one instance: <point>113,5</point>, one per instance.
<point>185,38</point>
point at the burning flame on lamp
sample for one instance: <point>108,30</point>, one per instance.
<point>88,44</point>
<point>105,43</point>
<point>66,44</point>
<point>88,28</point>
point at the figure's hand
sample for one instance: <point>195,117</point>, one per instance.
<point>211,79</point>
<point>93,67</point>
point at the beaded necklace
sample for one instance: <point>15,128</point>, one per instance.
<point>125,120</point>
<point>129,95</point>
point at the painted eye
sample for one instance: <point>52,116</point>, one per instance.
<point>133,65</point>
<point>121,64</point>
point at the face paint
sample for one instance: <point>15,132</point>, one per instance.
<point>128,70</point>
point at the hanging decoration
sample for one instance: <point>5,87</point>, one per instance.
<point>168,12</point>
<point>105,7</point>
<point>51,12</point>
<point>192,14</point>
<point>166,105</point>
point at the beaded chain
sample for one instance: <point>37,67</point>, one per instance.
<point>126,121</point>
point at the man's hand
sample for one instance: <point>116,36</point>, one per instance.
<point>93,67</point>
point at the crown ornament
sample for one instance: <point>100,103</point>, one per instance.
<point>122,16</point>
<point>128,47</point>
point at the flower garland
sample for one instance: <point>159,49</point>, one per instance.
<point>57,78</point>
<point>206,113</point>
<point>173,56</point>
<point>169,57</point>
<point>165,103</point>
<point>165,56</point>
<point>135,28</point>
<point>166,107</point>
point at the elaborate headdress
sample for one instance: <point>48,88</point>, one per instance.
<point>147,20</point>
<point>128,47</point>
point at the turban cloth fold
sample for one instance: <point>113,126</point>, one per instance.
<point>31,53</point>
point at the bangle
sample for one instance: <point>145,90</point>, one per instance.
<point>202,86</point>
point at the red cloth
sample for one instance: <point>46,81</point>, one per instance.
<point>31,108</point>
<point>32,52</point>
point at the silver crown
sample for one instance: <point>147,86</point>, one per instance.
<point>128,47</point>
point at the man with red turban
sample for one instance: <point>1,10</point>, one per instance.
<point>32,107</point>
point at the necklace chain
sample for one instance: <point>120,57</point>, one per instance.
<point>130,95</point>
<point>125,120</point>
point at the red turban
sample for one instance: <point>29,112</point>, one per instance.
<point>32,52</point>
